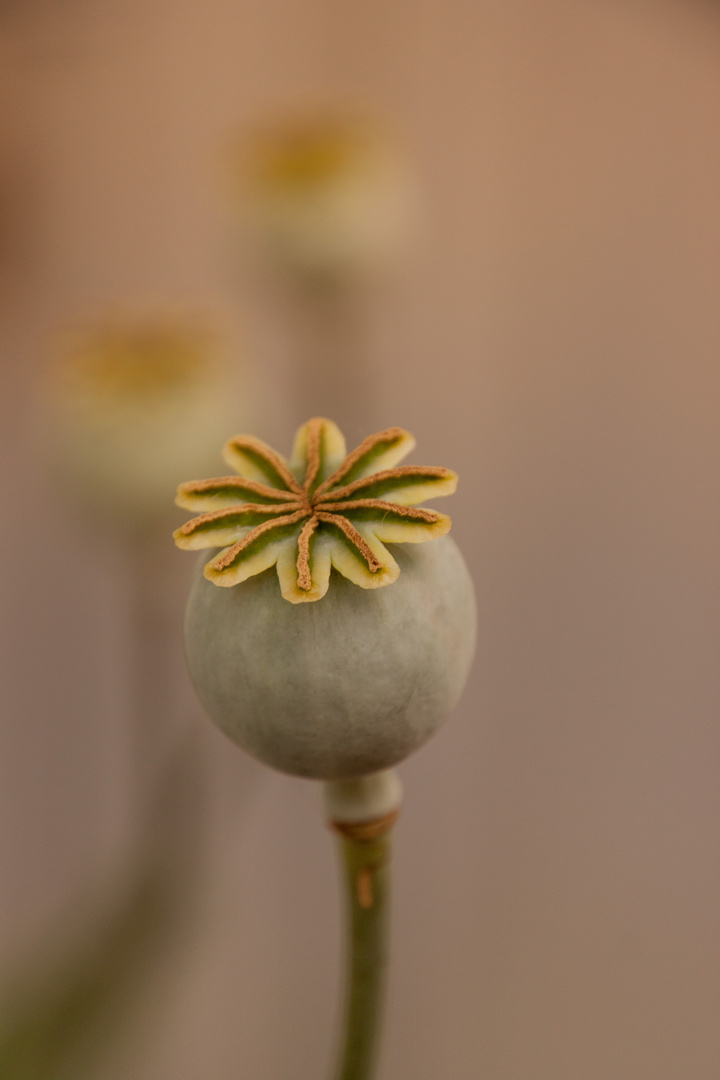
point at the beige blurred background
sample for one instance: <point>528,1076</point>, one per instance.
<point>555,337</point>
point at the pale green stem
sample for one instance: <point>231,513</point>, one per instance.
<point>367,879</point>
<point>363,811</point>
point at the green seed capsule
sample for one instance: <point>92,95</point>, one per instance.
<point>340,688</point>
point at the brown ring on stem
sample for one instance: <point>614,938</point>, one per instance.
<point>366,830</point>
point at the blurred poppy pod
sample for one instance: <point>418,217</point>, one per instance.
<point>325,194</point>
<point>136,403</point>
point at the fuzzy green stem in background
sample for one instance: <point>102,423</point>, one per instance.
<point>366,863</point>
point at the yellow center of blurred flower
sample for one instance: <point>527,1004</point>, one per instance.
<point>137,363</point>
<point>304,156</point>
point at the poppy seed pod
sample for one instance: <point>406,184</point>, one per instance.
<point>326,192</point>
<point>135,403</point>
<point>340,681</point>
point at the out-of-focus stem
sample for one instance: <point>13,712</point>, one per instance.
<point>334,373</point>
<point>154,618</point>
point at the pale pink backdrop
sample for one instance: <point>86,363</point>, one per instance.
<point>555,337</point>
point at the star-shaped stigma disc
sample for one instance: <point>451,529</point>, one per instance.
<point>324,508</point>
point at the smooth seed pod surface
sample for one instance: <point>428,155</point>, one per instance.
<point>343,687</point>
